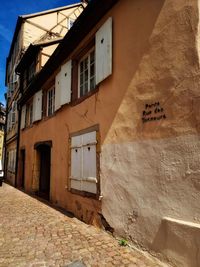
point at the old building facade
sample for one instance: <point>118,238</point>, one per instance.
<point>110,126</point>
<point>43,30</point>
<point>2,130</point>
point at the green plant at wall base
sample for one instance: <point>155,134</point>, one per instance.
<point>123,242</point>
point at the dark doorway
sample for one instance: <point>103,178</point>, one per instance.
<point>23,158</point>
<point>45,167</point>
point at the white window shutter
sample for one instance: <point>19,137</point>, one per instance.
<point>103,51</point>
<point>16,115</point>
<point>23,117</point>
<point>89,182</point>
<point>14,103</point>
<point>16,112</point>
<point>57,91</point>
<point>65,83</point>
<point>37,106</point>
<point>8,122</point>
<point>76,162</point>
<point>12,160</point>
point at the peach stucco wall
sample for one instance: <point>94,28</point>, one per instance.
<point>99,108</point>
<point>149,171</point>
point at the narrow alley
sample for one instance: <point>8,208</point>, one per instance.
<point>34,234</point>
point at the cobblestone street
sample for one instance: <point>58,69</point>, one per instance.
<point>34,234</point>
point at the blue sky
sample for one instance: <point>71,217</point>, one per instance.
<point>9,12</point>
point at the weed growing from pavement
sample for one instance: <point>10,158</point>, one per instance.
<point>123,242</point>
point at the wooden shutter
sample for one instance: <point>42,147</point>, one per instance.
<point>12,160</point>
<point>83,162</point>
<point>103,51</point>
<point>76,162</point>
<point>9,120</point>
<point>74,80</point>
<point>37,106</point>
<point>89,173</point>
<point>57,91</point>
<point>65,83</point>
<point>23,117</point>
<point>14,103</point>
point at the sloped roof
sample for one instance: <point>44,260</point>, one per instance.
<point>22,18</point>
<point>31,52</point>
<point>94,11</point>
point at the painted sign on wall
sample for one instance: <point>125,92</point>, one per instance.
<point>153,112</point>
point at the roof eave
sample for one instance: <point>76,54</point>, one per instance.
<point>92,14</point>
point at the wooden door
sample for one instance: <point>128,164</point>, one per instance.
<point>45,166</point>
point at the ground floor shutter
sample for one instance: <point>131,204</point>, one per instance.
<point>83,162</point>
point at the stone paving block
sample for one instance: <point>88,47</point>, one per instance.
<point>33,234</point>
<point>76,264</point>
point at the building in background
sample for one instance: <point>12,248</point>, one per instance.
<point>2,130</point>
<point>38,34</point>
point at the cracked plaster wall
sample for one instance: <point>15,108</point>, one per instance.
<point>150,170</point>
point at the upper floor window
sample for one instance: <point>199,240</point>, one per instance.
<point>70,23</point>
<point>29,74</point>
<point>29,114</point>
<point>87,73</point>
<point>50,101</point>
<point>89,66</point>
<point>14,112</point>
<point>31,70</point>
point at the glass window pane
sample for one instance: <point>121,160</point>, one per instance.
<point>86,75</point>
<point>92,70</point>
<point>86,87</point>
<point>81,79</point>
<point>81,66</point>
<point>92,57</point>
<point>81,90</point>
<point>92,85</point>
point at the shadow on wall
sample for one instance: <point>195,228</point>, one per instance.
<point>178,241</point>
<point>139,19</point>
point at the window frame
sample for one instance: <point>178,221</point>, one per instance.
<point>77,57</point>
<point>29,114</point>
<point>31,71</point>
<point>69,25</point>
<point>88,57</point>
<point>52,89</point>
<point>80,192</point>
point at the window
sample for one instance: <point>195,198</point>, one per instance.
<point>11,160</point>
<point>87,74</point>
<point>14,112</point>
<point>29,74</point>
<point>50,101</point>
<point>25,79</point>
<point>29,114</point>
<point>90,65</point>
<point>84,162</point>
<point>31,71</point>
<point>70,23</point>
